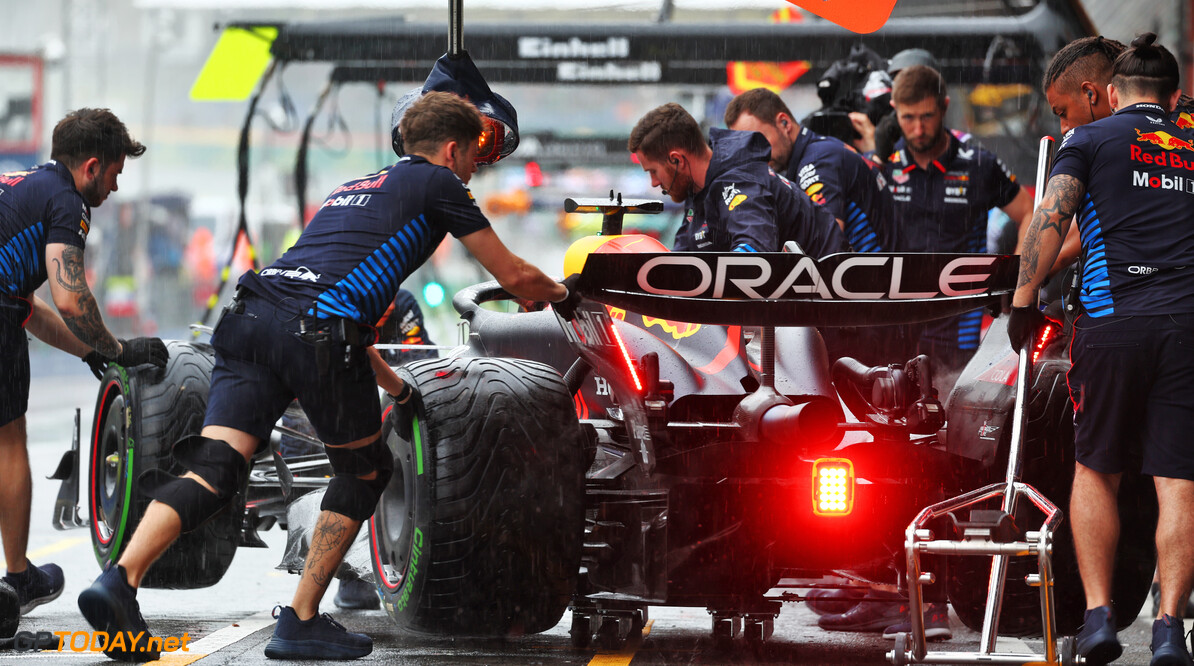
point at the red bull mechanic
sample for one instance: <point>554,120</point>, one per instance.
<point>832,174</point>
<point>1132,368</point>
<point>45,217</point>
<point>942,189</point>
<point>733,201</point>
<point>302,329</point>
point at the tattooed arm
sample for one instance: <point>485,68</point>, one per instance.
<point>47,326</point>
<point>1045,234</point>
<point>80,312</point>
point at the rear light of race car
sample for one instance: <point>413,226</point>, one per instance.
<point>1048,332</point>
<point>638,384</point>
<point>833,487</point>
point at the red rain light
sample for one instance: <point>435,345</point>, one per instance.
<point>1047,333</point>
<point>638,385</point>
<point>833,487</point>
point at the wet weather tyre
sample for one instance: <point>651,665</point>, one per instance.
<point>140,413</point>
<point>479,532</point>
<point>1048,465</point>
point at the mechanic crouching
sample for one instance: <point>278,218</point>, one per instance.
<point>1132,369</point>
<point>733,201</point>
<point>301,330</point>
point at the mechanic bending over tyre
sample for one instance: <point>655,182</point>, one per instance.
<point>302,329</point>
<point>1075,84</point>
<point>942,189</point>
<point>835,177</point>
<point>733,201</point>
<point>45,215</point>
<point>1131,363</point>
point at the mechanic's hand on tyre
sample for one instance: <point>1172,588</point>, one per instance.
<point>140,351</point>
<point>404,396</point>
<point>567,307</point>
<point>1023,324</point>
<point>97,363</point>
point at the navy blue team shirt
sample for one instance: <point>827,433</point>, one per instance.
<point>850,186</point>
<point>746,207</point>
<point>1137,217</point>
<point>38,206</point>
<point>944,209</point>
<point>368,236</point>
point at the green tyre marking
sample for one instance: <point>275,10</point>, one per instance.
<point>418,437</point>
<point>128,459</point>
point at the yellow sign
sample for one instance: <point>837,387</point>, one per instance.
<point>235,64</point>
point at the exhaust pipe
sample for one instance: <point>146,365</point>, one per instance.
<point>808,423</point>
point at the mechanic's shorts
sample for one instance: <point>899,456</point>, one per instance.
<point>262,364</point>
<point>1132,383</point>
<point>14,359</point>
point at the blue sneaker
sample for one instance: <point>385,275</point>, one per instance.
<point>321,637</point>
<point>1097,641</point>
<point>1169,643</point>
<point>834,601</point>
<point>877,611</point>
<point>36,585</point>
<point>110,605</point>
<point>936,624</point>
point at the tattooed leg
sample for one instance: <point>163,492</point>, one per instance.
<point>330,540</point>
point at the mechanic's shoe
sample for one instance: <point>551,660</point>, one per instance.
<point>321,637</point>
<point>1097,641</point>
<point>356,594</point>
<point>110,605</point>
<point>36,585</point>
<point>875,612</point>
<point>834,602</point>
<point>1169,643</point>
<point>936,624</point>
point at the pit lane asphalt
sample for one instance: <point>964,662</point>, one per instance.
<point>230,622</point>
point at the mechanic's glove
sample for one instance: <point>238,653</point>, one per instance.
<point>140,351</point>
<point>567,306</point>
<point>1023,324</point>
<point>404,396</point>
<point>97,363</point>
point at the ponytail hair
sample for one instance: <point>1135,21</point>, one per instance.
<point>1146,69</point>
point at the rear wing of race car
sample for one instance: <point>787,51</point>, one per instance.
<point>784,289</point>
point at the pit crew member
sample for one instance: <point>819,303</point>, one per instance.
<point>832,174</point>
<point>942,189</point>
<point>301,329</point>
<point>1125,176</point>
<point>1075,85</point>
<point>733,200</point>
<point>45,215</point>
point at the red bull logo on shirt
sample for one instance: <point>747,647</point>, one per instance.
<point>1164,140</point>
<point>1184,121</point>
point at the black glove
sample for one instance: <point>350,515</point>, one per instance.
<point>404,396</point>
<point>97,363</point>
<point>140,351</point>
<point>567,306</point>
<point>1022,326</point>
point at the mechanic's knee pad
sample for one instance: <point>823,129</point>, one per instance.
<point>347,493</point>
<point>217,463</point>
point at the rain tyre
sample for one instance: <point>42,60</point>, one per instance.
<point>140,413</point>
<point>1048,465</point>
<point>479,532</point>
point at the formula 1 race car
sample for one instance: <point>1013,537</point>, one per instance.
<point>681,439</point>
